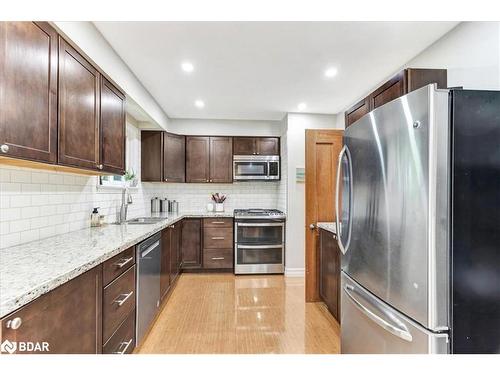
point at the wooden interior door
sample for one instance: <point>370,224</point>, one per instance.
<point>322,151</point>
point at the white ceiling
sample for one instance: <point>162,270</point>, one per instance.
<point>261,70</point>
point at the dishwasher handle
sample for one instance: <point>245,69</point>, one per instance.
<point>150,248</point>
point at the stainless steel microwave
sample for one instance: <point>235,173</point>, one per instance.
<point>256,167</point>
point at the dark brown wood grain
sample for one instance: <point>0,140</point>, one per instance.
<point>417,78</point>
<point>174,157</point>
<point>256,146</point>
<point>392,89</point>
<point>114,267</point>
<point>28,83</point>
<point>218,258</point>
<point>197,159</point>
<point>175,249</point>
<point>69,317</point>
<point>329,272</point>
<point>191,243</point>
<point>113,312</point>
<point>78,115</point>
<point>113,131</point>
<point>151,156</point>
<point>244,146</point>
<point>221,159</point>
<point>217,238</point>
<point>218,222</point>
<point>165,262</point>
<point>124,335</point>
<point>357,111</point>
<point>268,146</point>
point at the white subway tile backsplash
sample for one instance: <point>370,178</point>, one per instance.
<point>9,214</point>
<point>20,201</point>
<point>19,225</point>
<point>39,178</point>
<point>29,212</point>
<point>20,176</point>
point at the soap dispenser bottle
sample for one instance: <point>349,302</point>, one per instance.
<point>94,218</point>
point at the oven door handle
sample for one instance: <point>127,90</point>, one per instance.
<point>259,246</point>
<point>259,224</point>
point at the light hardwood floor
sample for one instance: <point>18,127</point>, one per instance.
<point>223,313</point>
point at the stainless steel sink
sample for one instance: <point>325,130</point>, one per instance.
<point>145,220</point>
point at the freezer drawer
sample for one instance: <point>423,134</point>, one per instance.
<point>370,326</point>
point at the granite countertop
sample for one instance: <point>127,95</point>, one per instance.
<point>330,227</point>
<point>29,270</point>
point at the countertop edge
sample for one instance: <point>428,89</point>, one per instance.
<point>328,226</point>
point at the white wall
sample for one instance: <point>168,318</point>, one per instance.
<point>296,125</point>
<point>91,41</point>
<point>225,127</point>
<point>470,52</point>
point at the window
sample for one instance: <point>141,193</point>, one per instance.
<point>132,160</point>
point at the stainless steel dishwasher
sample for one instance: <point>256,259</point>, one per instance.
<point>148,255</point>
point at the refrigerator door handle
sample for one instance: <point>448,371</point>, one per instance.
<point>343,248</point>
<point>400,332</point>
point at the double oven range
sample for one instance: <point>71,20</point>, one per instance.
<point>259,241</point>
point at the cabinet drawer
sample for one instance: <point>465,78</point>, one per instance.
<point>118,302</point>
<point>217,238</point>
<point>123,340</point>
<point>218,258</point>
<point>115,266</point>
<point>217,222</point>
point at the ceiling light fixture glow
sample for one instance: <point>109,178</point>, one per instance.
<point>199,103</point>
<point>302,106</point>
<point>330,72</point>
<point>187,67</point>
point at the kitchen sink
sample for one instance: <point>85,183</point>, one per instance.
<point>145,220</point>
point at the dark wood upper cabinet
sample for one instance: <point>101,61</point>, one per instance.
<point>165,262</point>
<point>191,243</point>
<point>174,158</point>
<point>244,145</point>
<point>28,83</point>
<point>113,130</point>
<point>69,317</point>
<point>221,159</point>
<point>197,159</point>
<point>151,156</point>
<point>401,84</point>
<point>256,146</point>
<point>79,88</point>
<point>329,274</point>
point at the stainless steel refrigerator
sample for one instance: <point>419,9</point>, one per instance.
<point>418,201</point>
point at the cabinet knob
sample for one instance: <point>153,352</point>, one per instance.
<point>4,148</point>
<point>14,323</point>
<point>100,166</point>
<point>166,180</point>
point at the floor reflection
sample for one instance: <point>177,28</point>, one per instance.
<point>223,313</point>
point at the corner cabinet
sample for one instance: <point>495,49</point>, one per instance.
<point>58,107</point>
<point>28,83</point>
<point>209,159</point>
<point>68,318</point>
<point>401,84</point>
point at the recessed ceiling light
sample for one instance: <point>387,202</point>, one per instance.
<point>302,106</point>
<point>187,67</point>
<point>331,72</point>
<point>199,103</point>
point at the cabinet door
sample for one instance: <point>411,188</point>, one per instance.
<point>151,156</point>
<point>28,87</point>
<point>174,251</point>
<point>78,109</point>
<point>165,262</point>
<point>221,159</point>
<point>68,318</point>
<point>191,243</point>
<point>197,159</point>
<point>392,89</point>
<point>268,146</point>
<point>174,158</point>
<point>329,283</point>
<point>112,128</point>
<point>244,146</point>
<point>357,111</point>
<point>417,78</point>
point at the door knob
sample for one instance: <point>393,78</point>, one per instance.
<point>312,226</point>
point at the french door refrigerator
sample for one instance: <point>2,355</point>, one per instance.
<point>418,213</point>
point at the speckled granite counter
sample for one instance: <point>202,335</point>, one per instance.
<point>330,227</point>
<point>27,271</point>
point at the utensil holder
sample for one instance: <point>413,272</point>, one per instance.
<point>219,207</point>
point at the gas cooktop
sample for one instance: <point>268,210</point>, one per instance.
<point>258,213</point>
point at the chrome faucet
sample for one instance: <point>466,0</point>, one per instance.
<point>126,200</point>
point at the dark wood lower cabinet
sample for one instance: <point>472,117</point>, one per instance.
<point>191,243</point>
<point>329,274</point>
<point>67,318</point>
<point>175,251</point>
<point>165,262</point>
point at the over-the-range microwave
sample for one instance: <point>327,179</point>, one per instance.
<point>256,167</point>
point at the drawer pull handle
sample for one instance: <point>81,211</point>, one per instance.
<point>217,222</point>
<point>124,262</point>
<point>14,323</point>
<point>218,238</point>
<point>126,343</point>
<point>125,298</point>
<point>218,258</point>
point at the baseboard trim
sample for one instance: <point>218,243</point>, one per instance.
<point>294,272</point>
